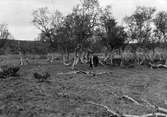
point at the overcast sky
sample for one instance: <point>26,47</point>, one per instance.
<point>18,13</point>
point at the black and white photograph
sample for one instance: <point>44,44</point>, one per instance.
<point>83,58</point>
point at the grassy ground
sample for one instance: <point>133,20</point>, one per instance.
<point>68,95</point>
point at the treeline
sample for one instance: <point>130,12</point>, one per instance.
<point>90,25</point>
<point>26,47</point>
<point>38,47</point>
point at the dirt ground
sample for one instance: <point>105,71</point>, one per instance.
<point>68,95</point>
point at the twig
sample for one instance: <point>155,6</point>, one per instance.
<point>131,99</point>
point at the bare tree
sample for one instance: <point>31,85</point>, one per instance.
<point>47,22</point>
<point>4,33</point>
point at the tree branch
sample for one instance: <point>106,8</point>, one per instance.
<point>116,114</point>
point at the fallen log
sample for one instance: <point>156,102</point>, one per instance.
<point>117,114</point>
<point>147,115</point>
<point>67,73</point>
<point>75,72</point>
<point>100,73</point>
<point>157,108</point>
<point>83,72</point>
<point>155,66</point>
<point>67,64</point>
<point>106,107</point>
<point>163,110</point>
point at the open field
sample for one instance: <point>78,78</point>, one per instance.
<point>78,95</point>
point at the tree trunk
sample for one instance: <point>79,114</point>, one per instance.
<point>67,54</point>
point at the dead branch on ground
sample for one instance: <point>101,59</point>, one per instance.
<point>131,99</point>
<point>116,114</point>
<point>83,72</point>
<point>155,66</point>
<point>157,108</point>
<point>104,106</point>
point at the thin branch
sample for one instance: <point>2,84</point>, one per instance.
<point>104,106</point>
<point>131,99</point>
